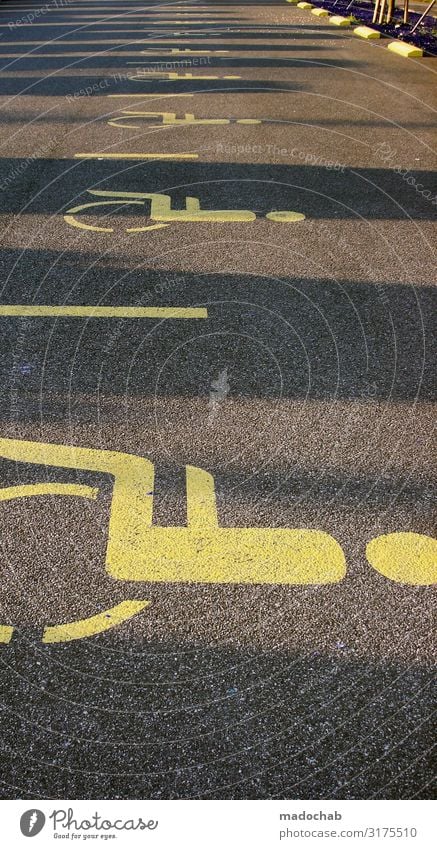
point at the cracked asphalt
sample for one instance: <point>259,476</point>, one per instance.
<point>308,393</point>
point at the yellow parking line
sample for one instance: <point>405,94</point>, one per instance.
<point>136,156</point>
<point>101,312</point>
<point>139,96</point>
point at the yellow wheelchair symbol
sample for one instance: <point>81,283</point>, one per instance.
<point>202,551</point>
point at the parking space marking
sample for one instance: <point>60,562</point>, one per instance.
<point>151,51</point>
<point>156,96</point>
<point>122,42</point>
<point>33,311</point>
<point>171,156</point>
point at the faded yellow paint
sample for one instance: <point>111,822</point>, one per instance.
<point>172,76</point>
<point>102,312</point>
<point>169,118</point>
<point>153,52</point>
<point>85,207</point>
<point>6,633</point>
<point>202,552</point>
<point>80,225</point>
<point>94,624</point>
<point>406,558</point>
<point>285,216</point>
<point>146,229</point>
<point>73,222</point>
<point>8,493</point>
<point>156,96</point>
<point>160,210</point>
<point>177,156</point>
<point>120,41</point>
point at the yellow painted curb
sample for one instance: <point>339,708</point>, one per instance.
<point>404,49</point>
<point>338,21</point>
<point>292,1</point>
<point>305,5</point>
<point>320,13</point>
<point>367,32</point>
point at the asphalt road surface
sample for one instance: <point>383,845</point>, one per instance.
<point>254,620</point>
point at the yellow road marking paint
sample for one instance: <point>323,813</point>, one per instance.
<point>8,493</point>
<point>151,51</point>
<point>160,210</point>
<point>94,624</point>
<point>203,552</point>
<point>406,558</point>
<point>169,118</point>
<point>124,31</point>
<point>304,5</point>
<point>178,156</point>
<point>146,229</point>
<point>80,225</point>
<point>123,42</point>
<point>84,53</point>
<point>155,42</point>
<point>6,633</point>
<point>175,76</point>
<point>101,312</point>
<point>320,13</point>
<point>119,41</point>
<point>156,96</point>
<point>285,217</point>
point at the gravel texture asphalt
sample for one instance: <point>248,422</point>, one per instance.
<point>307,392</point>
